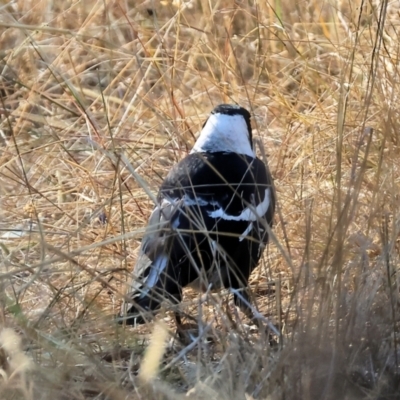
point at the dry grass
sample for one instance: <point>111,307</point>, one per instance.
<point>84,84</point>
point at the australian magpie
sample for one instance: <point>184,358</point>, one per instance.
<point>208,228</point>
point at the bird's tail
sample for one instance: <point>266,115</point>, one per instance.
<point>157,283</point>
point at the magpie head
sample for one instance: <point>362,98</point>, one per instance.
<point>227,129</point>
<point>234,110</point>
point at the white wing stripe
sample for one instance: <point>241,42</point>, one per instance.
<point>246,232</point>
<point>248,214</point>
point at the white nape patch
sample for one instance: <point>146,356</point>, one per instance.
<point>227,133</point>
<point>248,214</point>
<point>156,269</point>
<point>246,232</point>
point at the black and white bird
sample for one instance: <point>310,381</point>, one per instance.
<point>209,226</point>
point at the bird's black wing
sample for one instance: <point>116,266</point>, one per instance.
<point>233,194</point>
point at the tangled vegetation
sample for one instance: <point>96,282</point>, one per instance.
<point>100,98</point>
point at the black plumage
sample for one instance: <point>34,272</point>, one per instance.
<point>208,227</point>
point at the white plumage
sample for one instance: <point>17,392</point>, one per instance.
<point>224,133</point>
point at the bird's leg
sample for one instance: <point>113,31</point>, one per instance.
<point>179,328</point>
<point>184,332</point>
<point>178,322</point>
<point>175,300</point>
<point>242,300</point>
